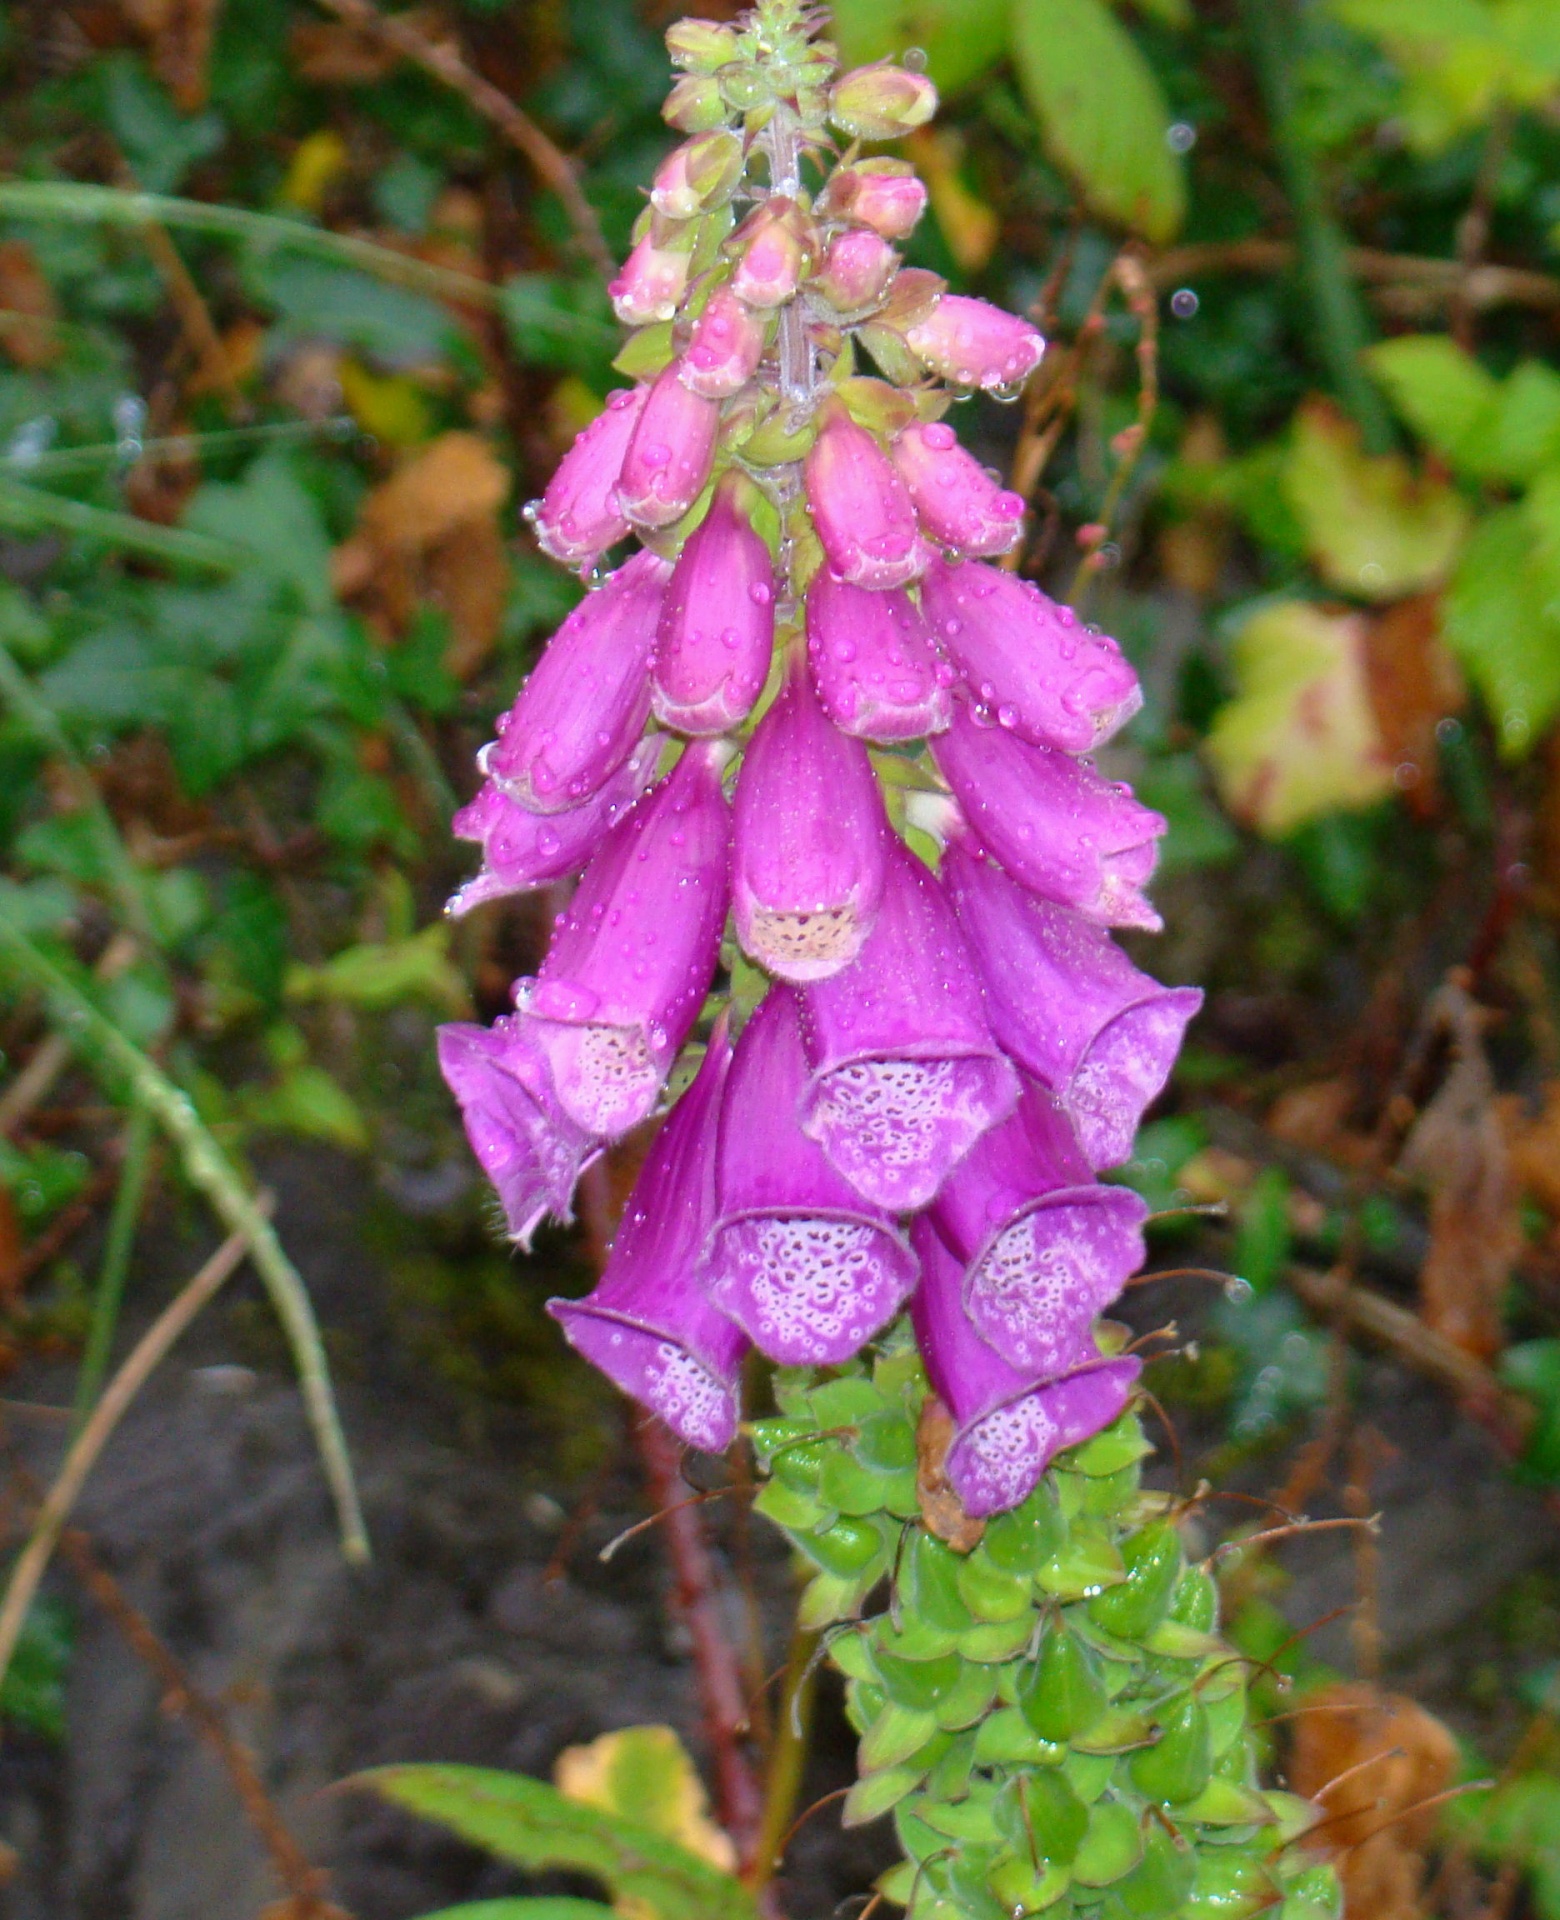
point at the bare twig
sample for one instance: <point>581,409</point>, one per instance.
<point>787,1759</point>
<point>149,1350</point>
<point>444,62</point>
<point>1444,281</point>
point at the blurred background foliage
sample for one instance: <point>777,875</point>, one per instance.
<point>290,326</point>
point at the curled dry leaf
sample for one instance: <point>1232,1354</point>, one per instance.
<point>431,533</point>
<point>942,1510</point>
<point>1365,1757</point>
<point>1458,1149</point>
<point>28,334</point>
<point>1414,684</point>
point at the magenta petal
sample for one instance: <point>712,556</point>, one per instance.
<point>873,662</point>
<point>906,1076</point>
<point>724,348</point>
<point>1028,661</point>
<point>959,503</point>
<point>578,516</point>
<point>717,628</point>
<point>809,1269</point>
<point>809,839</point>
<point>1008,1425</point>
<point>1045,1249</point>
<point>975,344</point>
<point>856,269</point>
<point>860,507</point>
<point>1067,1004</point>
<point>1056,825</point>
<point>523,850</point>
<point>529,1148</point>
<point>886,195</point>
<point>583,709</point>
<point>650,284</point>
<point>632,959</point>
<point>648,1324</point>
<point>669,454</point>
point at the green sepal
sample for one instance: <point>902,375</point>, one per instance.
<point>845,1483</point>
<point>1313,1895</point>
<point>852,1654</point>
<point>1040,1810</point>
<point>845,1402</point>
<point>646,351</point>
<point>847,1547</point>
<point>1111,1847</point>
<point>773,444</point>
<point>1179,1764</point>
<point>875,1794</point>
<point>1022,1540</point>
<point>1090,1773</point>
<point>1083,1567</point>
<point>1158,1885</point>
<point>998,1640</point>
<point>864,1701</point>
<point>929,1584</point>
<point>949,1776</point>
<point>1171,1640</point>
<point>1195,1602</point>
<point>787,1507</point>
<point>1006,1739</point>
<point>917,1640</point>
<point>1292,1815</point>
<point>897,1883</point>
<point>1152,1559</point>
<point>917,1683</point>
<point>1062,1693</point>
<point>1226,1803</point>
<point>886,1442</point>
<point>1227,1722</point>
<point>1119,1445</point>
<point>1107,1494</point>
<point>1124,1652</point>
<point>970,1699</point>
<point>895,1735</point>
<point>828,1597</point>
<point>1117,1730</point>
<point>1021,1888</point>
<point>1231,1884</point>
<point>973,1821</point>
<point>781,1431</point>
<point>989,1592</point>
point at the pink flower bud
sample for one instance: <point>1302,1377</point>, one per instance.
<point>886,195</point>
<point>882,101</point>
<point>698,175</point>
<point>860,507</point>
<point>651,283</point>
<point>873,663</point>
<point>718,625</point>
<point>695,105</point>
<point>810,840</point>
<point>975,344</point>
<point>702,46</point>
<point>669,456</point>
<point>959,503</point>
<point>856,269</point>
<point>774,247</point>
<point>725,348</point>
<point>578,517</point>
<point>1032,664</point>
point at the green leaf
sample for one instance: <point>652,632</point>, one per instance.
<point>313,299</point>
<point>1102,115</point>
<point>530,1824</point>
<point>379,976</point>
<point>1502,620</point>
<point>270,515</point>
<point>33,1695</point>
<point>555,322</point>
<point>161,144</point>
<point>1532,1368</point>
<point>551,1907</point>
<point>960,38</point>
<point>644,1774</point>
<point>1441,391</point>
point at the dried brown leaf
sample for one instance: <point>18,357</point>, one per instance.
<point>1458,1149</point>
<point>12,1247</point>
<point>28,313</point>
<point>331,54</point>
<point>1365,1756</point>
<point>179,34</point>
<point>1315,1118</point>
<point>1414,684</point>
<point>942,1511</point>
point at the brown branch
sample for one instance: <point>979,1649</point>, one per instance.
<point>1477,287</point>
<point>444,62</point>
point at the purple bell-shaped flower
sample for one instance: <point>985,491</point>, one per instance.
<point>583,709</point>
<point>724,348</point>
<point>960,505</point>
<point>1045,1248</point>
<point>632,958</point>
<point>718,624</point>
<point>810,838</point>
<point>648,1324</point>
<point>805,1266</point>
<point>669,453</point>
<point>651,282</point>
<point>1029,662</point>
<point>860,508</point>
<point>527,1145</point>
<point>578,517</point>
<point>873,662</point>
<point>905,1074</point>
<point>1058,827</point>
<point>523,850</point>
<point>1067,1004</point>
<point>975,344</point>
<point>1008,1424</point>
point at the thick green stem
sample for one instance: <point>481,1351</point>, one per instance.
<point>1342,325</point>
<point>117,1248</point>
<point>102,1044</point>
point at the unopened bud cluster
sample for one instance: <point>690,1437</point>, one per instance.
<point>809,741</point>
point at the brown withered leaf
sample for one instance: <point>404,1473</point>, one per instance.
<point>12,1243</point>
<point>179,34</point>
<point>1458,1149</point>
<point>1414,684</point>
<point>1533,1141</point>
<point>28,312</point>
<point>1366,1757</point>
<point>942,1511</point>
<point>430,533</point>
<point>1315,1117</point>
<point>332,54</point>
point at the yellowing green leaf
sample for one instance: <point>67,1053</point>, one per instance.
<point>1462,59</point>
<point>1502,616</point>
<point>1101,112</point>
<point>645,1774</point>
<point>1299,739</point>
<point>1373,527</point>
<point>1441,391</point>
<point>384,975</point>
<point>960,38</point>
